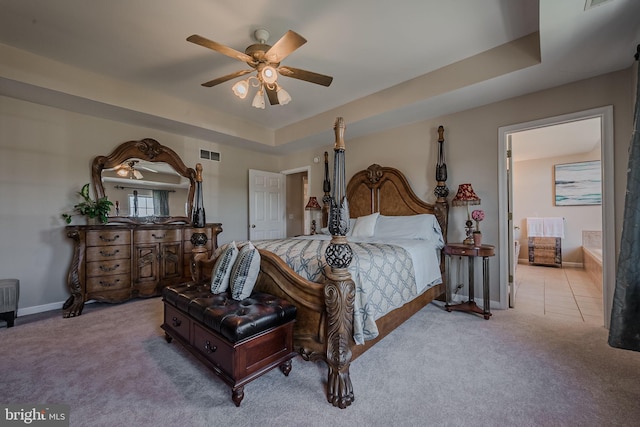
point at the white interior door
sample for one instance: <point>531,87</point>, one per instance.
<point>266,205</point>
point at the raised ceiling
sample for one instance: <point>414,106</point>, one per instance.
<point>393,62</point>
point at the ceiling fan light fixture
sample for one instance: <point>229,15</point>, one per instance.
<point>283,96</point>
<point>269,75</point>
<point>258,100</point>
<point>137,174</point>
<point>241,89</point>
<point>123,172</point>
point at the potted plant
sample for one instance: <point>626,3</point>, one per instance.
<point>93,209</point>
<point>477,215</point>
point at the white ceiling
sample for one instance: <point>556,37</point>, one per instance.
<point>580,136</point>
<point>367,46</point>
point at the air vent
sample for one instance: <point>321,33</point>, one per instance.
<point>209,155</point>
<point>593,3</point>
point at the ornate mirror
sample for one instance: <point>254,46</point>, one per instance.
<point>147,183</point>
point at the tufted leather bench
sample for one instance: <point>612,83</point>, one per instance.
<point>238,340</point>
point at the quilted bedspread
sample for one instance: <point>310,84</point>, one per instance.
<point>383,275</point>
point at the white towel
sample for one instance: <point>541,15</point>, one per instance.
<point>553,227</point>
<point>535,227</point>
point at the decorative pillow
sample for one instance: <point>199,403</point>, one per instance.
<point>222,268</point>
<point>244,272</point>
<point>365,225</point>
<point>421,226</point>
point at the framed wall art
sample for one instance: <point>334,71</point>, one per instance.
<point>578,184</point>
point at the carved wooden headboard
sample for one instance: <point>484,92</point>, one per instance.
<point>386,190</point>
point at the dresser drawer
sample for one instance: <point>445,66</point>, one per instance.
<point>102,238</point>
<point>108,283</point>
<point>178,321</point>
<point>100,253</point>
<point>157,236</point>
<point>216,350</point>
<point>108,268</point>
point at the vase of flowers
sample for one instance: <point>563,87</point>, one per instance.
<point>477,215</point>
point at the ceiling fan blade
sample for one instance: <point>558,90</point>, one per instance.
<point>305,75</point>
<point>225,50</point>
<point>272,95</point>
<point>226,78</point>
<point>283,47</point>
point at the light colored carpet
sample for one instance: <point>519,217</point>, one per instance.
<point>113,366</point>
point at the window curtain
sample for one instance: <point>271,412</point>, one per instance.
<point>625,314</point>
<point>161,202</point>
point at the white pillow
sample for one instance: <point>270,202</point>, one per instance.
<point>244,272</point>
<point>422,226</point>
<point>365,225</point>
<point>222,268</point>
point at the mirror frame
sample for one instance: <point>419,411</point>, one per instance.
<point>150,150</point>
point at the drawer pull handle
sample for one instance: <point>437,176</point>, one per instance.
<point>108,284</point>
<point>159,236</point>
<point>106,239</point>
<point>176,322</point>
<point>210,348</point>
<point>108,269</point>
<point>103,253</point>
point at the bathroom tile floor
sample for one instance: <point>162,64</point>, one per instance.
<point>566,294</point>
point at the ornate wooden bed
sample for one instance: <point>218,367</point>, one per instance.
<point>324,323</point>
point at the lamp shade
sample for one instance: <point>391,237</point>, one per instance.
<point>313,204</point>
<point>241,88</point>
<point>258,100</point>
<point>465,196</point>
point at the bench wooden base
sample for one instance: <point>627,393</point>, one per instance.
<point>235,363</point>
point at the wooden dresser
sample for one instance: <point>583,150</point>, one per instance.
<point>114,263</point>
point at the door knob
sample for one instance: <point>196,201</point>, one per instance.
<point>253,226</point>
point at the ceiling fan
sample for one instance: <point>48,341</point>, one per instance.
<point>265,59</point>
<point>128,170</point>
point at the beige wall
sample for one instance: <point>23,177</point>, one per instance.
<point>533,196</point>
<point>45,158</point>
<point>45,155</point>
<point>471,149</point>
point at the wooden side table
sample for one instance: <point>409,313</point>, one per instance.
<point>470,252</point>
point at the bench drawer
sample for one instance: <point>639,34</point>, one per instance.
<point>178,322</point>
<point>215,349</point>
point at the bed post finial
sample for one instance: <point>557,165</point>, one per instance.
<point>339,289</point>
<point>441,191</point>
<point>326,188</point>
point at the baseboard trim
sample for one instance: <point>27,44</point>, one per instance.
<point>40,308</point>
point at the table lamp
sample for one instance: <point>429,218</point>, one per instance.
<point>465,197</point>
<point>313,205</point>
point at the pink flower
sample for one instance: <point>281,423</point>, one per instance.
<point>477,215</point>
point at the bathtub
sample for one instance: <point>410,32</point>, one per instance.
<point>592,256</point>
